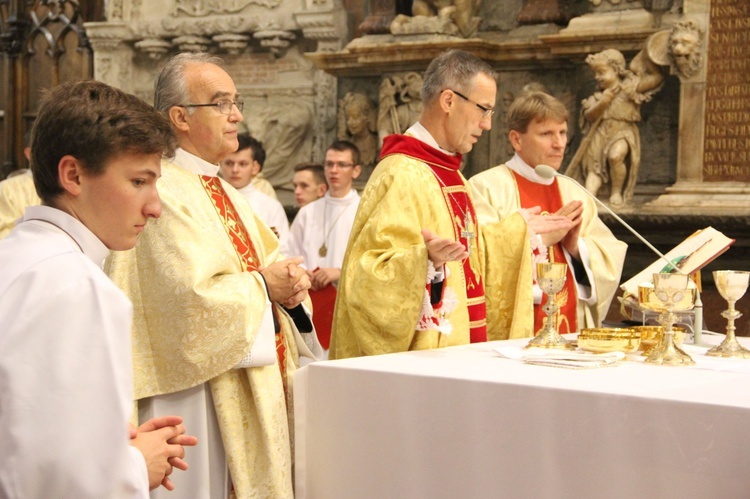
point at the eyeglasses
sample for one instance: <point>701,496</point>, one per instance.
<point>338,164</point>
<point>486,112</point>
<point>225,106</point>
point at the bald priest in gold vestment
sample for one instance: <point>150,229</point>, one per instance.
<point>210,339</point>
<point>419,273</point>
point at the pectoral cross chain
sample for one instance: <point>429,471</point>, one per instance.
<point>467,233</point>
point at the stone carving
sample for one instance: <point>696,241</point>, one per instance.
<point>232,43</point>
<point>400,103</point>
<point>686,47</point>
<point>285,129</point>
<point>200,8</point>
<point>358,124</point>
<point>156,48</point>
<point>191,43</point>
<point>439,16</point>
<point>276,40</point>
<point>610,151</point>
<point>325,89</point>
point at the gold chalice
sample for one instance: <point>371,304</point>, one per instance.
<point>732,285</point>
<point>668,294</point>
<point>551,278</point>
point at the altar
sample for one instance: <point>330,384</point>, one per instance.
<point>465,422</point>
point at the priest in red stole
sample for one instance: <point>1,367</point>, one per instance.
<point>538,133</point>
<point>419,271</point>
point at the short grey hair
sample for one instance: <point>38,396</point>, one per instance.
<point>455,69</point>
<point>170,88</point>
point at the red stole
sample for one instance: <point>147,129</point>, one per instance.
<point>457,200</point>
<point>244,247</point>
<point>548,197</point>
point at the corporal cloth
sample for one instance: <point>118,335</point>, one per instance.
<point>382,302</point>
<point>198,313</point>
<point>602,255</point>
<point>65,366</point>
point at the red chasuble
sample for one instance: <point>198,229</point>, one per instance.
<point>548,197</point>
<point>457,201</point>
<point>244,247</point>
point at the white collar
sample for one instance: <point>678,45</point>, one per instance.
<point>520,167</point>
<point>418,131</point>
<point>194,164</point>
<point>86,240</point>
<point>247,190</point>
<point>350,196</point>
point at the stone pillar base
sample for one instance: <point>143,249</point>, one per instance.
<point>703,198</point>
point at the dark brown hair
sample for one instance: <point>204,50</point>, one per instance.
<point>93,122</point>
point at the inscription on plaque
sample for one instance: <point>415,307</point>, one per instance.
<point>727,138</point>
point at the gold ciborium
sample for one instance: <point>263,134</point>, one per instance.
<point>668,294</point>
<point>551,278</point>
<point>732,285</point>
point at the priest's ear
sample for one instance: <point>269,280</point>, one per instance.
<point>446,99</point>
<point>515,140</point>
<point>69,172</point>
<point>178,116</point>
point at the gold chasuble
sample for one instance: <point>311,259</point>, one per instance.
<point>499,193</point>
<point>386,301</point>
<point>198,304</point>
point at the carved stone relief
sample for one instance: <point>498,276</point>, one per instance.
<point>285,127</point>
<point>447,17</point>
<point>357,123</point>
<point>400,103</point>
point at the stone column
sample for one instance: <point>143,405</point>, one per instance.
<point>112,55</point>
<point>713,169</point>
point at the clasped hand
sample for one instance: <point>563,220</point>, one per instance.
<point>287,282</point>
<point>161,441</point>
<point>562,226</point>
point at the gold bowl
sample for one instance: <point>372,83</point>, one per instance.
<point>651,336</point>
<point>606,339</point>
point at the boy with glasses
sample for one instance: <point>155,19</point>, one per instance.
<point>321,230</point>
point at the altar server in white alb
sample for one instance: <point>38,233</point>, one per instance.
<point>321,229</point>
<point>538,133</point>
<point>66,388</point>
<point>240,169</point>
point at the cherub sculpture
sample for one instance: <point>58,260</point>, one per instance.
<point>610,151</point>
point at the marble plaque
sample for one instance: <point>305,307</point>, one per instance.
<point>727,140</point>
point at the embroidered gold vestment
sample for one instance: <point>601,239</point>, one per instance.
<point>382,284</point>
<point>197,312</point>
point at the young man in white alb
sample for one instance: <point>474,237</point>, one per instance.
<point>321,229</point>
<point>240,169</point>
<point>66,385</point>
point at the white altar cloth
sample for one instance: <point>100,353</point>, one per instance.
<point>465,423</point>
